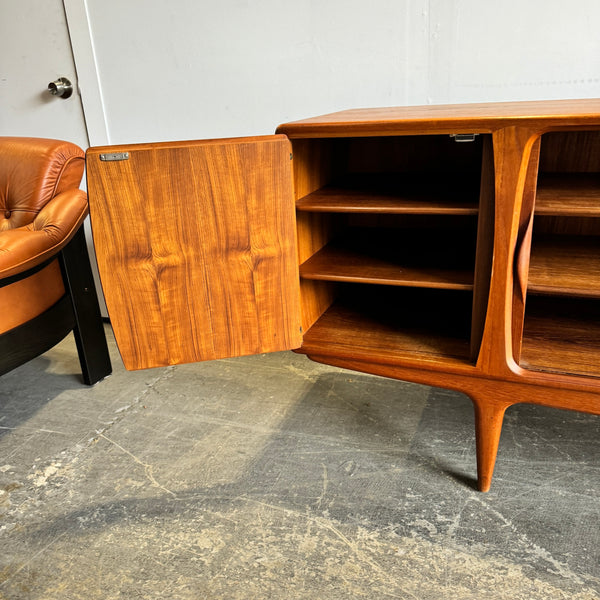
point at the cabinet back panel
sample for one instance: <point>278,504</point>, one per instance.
<point>414,154</point>
<point>570,151</point>
<point>566,225</point>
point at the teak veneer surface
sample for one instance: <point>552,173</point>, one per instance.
<point>403,197</point>
<point>196,249</point>
<point>572,194</point>
<point>402,327</point>
<point>568,265</point>
<point>562,337</point>
<point>203,247</point>
<point>395,258</point>
<point>458,118</point>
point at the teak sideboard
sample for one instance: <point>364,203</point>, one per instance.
<point>454,246</point>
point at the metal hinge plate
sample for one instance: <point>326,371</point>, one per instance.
<point>464,137</point>
<point>110,156</point>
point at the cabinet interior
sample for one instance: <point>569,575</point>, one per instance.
<point>561,330</point>
<point>394,243</point>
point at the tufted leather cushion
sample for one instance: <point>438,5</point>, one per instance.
<point>41,206</point>
<point>45,293</point>
<point>32,172</point>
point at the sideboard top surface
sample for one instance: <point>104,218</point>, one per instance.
<point>449,118</point>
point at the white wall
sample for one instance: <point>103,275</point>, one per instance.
<point>183,69</point>
<point>187,69</point>
<point>501,50</point>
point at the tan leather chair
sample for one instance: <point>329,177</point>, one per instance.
<point>46,284</point>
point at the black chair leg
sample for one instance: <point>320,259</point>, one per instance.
<point>89,331</point>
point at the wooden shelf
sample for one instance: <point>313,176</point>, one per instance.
<point>562,336</point>
<point>428,259</point>
<point>568,194</point>
<point>395,194</point>
<point>568,265</point>
<point>394,325</point>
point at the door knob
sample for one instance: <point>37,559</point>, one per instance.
<point>62,88</point>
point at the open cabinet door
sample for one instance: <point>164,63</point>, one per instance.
<point>196,248</point>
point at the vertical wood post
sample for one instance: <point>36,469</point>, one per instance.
<point>512,152</point>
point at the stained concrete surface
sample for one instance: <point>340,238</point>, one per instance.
<point>275,477</point>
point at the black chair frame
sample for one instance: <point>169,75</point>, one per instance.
<point>76,311</point>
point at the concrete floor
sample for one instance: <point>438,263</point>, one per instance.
<point>275,477</point>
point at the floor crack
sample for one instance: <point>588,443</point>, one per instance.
<point>148,469</point>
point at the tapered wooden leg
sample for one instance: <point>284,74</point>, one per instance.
<point>489,415</point>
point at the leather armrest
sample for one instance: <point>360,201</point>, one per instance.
<point>26,247</point>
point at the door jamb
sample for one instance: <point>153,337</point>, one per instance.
<point>89,84</point>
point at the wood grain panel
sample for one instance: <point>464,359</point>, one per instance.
<point>568,194</point>
<point>564,264</point>
<point>485,246</point>
<point>196,248</point>
<point>407,258</point>
<point>570,152</point>
<point>450,118</point>
<point>392,324</point>
<point>317,297</point>
<point>522,251</point>
<point>403,195</point>
<point>316,163</point>
<point>562,336</point>
<point>432,155</point>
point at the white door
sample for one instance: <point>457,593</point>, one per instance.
<point>35,50</point>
